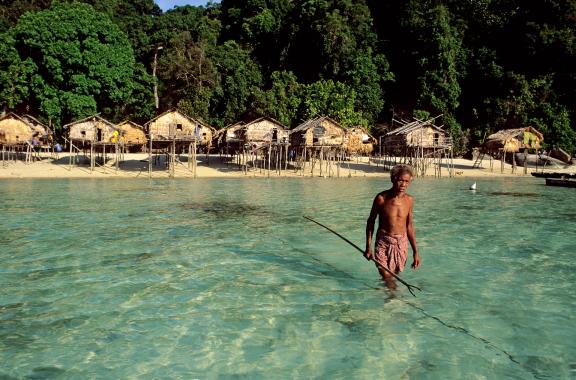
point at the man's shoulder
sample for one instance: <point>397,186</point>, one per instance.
<point>383,194</point>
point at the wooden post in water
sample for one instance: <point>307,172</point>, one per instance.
<point>117,157</point>
<point>92,159</point>
<point>150,158</point>
<point>70,157</point>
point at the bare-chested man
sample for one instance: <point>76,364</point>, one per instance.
<point>394,209</point>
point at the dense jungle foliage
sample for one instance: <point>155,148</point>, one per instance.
<point>484,65</point>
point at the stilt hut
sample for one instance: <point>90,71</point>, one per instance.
<point>264,130</point>
<point>206,134</point>
<point>359,141</point>
<point>319,140</point>
<point>227,141</point>
<point>267,139</point>
<point>174,132</point>
<point>23,137</point>
<point>94,135</point>
<point>174,125</point>
<point>93,130</point>
<point>513,140</point>
<point>16,129</point>
<point>420,144</point>
<point>133,136</point>
<point>510,141</point>
<point>228,137</point>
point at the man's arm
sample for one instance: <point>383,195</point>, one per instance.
<point>412,235</point>
<point>370,227</point>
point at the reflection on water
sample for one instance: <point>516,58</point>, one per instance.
<point>224,278</point>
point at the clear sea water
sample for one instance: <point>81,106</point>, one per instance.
<point>224,279</point>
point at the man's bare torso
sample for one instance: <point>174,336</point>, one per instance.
<point>393,212</point>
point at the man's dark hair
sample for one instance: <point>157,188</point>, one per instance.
<point>401,169</point>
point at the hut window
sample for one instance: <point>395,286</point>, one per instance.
<point>83,133</point>
<point>99,135</point>
<point>178,127</point>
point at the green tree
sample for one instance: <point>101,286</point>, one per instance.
<point>282,101</point>
<point>77,62</point>
<point>333,99</point>
<point>136,18</point>
<point>240,77</point>
<point>188,74</point>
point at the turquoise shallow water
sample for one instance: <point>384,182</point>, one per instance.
<point>224,279</point>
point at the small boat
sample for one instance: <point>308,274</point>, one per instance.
<point>560,182</point>
<point>553,175</point>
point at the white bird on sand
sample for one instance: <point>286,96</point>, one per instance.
<point>473,186</point>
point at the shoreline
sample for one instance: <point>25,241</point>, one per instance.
<point>135,165</point>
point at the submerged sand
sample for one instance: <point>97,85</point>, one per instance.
<point>135,165</point>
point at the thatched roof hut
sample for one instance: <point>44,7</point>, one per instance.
<point>418,133</point>
<point>264,129</point>
<point>514,140</point>
<point>359,141</point>
<point>173,124</point>
<point>229,135</point>
<point>321,131</point>
<point>42,129</point>
<point>15,129</point>
<point>132,133</point>
<point>93,129</point>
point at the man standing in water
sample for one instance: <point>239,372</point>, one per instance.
<point>394,209</point>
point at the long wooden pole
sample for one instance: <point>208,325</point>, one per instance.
<point>361,251</point>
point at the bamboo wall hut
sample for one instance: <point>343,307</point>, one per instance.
<point>16,130</point>
<point>321,131</point>
<point>42,129</point>
<point>421,144</point>
<point>92,130</point>
<point>359,141</point>
<point>264,130</point>
<point>420,134</point>
<point>513,140</point>
<point>133,135</point>
<point>174,125</point>
<point>206,134</point>
<point>228,139</point>
<point>321,142</point>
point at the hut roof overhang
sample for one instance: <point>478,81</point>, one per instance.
<point>91,118</point>
<point>35,122</point>
<point>133,124</point>
<point>312,123</point>
<point>17,117</point>
<point>189,118</point>
<point>270,119</point>
<point>412,126</point>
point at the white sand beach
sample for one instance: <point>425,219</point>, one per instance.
<point>135,165</point>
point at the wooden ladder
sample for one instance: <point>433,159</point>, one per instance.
<point>478,162</point>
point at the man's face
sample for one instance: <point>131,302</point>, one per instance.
<point>402,182</point>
